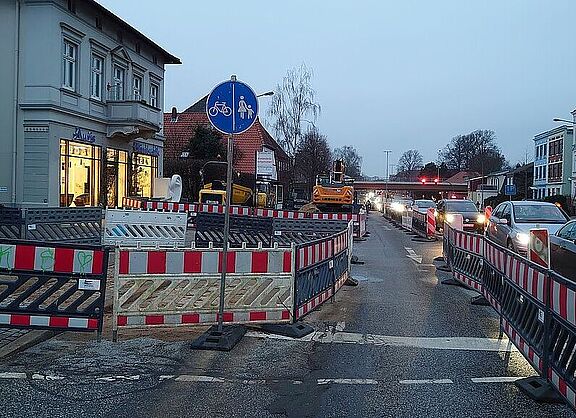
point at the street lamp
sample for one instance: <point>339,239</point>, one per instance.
<point>268,93</point>
<point>387,175</point>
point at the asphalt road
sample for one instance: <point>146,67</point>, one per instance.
<point>398,345</point>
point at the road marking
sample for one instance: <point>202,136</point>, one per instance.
<point>11,375</point>
<point>426,382</point>
<point>500,379</point>
<point>435,343</point>
<point>190,378</point>
<point>340,326</point>
<point>348,381</point>
<point>193,378</point>
<point>412,255</point>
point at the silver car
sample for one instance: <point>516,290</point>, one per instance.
<point>511,222</point>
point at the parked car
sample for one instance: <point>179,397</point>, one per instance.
<point>423,204</point>
<point>511,222</point>
<point>474,220</point>
<point>563,250</point>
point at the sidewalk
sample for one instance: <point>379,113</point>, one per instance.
<point>14,340</point>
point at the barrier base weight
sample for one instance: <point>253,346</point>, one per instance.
<point>219,341</point>
<point>350,281</point>
<point>444,267</point>
<point>539,389</point>
<point>452,282</point>
<point>298,330</point>
<point>421,239</point>
<point>479,301</point>
<point>439,258</point>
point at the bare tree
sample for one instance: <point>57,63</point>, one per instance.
<point>410,160</point>
<point>293,104</point>
<point>352,160</point>
<point>476,151</point>
<point>312,157</point>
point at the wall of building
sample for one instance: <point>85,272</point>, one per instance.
<point>49,112</point>
<point>8,19</point>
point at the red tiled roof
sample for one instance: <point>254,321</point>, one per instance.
<point>178,134</point>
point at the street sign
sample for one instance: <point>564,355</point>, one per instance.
<point>266,164</point>
<point>232,107</point>
<point>510,190</point>
<point>539,247</point>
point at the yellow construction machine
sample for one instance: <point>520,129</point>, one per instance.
<point>334,192</point>
<point>214,186</point>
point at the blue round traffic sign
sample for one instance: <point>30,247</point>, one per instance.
<point>232,107</point>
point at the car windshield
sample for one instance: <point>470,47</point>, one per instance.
<point>425,204</point>
<point>538,213</point>
<point>460,206</point>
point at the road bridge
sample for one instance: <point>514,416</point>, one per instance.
<point>416,189</point>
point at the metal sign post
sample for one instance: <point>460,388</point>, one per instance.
<point>232,108</point>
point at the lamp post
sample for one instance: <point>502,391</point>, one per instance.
<point>387,152</point>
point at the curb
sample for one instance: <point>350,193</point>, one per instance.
<point>26,341</point>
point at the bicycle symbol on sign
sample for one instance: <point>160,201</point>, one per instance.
<point>220,107</point>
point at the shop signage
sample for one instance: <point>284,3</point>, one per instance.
<point>80,135</point>
<point>148,149</point>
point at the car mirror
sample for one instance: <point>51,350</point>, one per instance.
<point>503,221</point>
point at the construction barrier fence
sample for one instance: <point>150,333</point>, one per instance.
<point>179,287</point>
<point>52,286</point>
<point>536,305</point>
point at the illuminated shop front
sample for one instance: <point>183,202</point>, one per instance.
<point>144,169</point>
<point>80,168</point>
<point>116,176</point>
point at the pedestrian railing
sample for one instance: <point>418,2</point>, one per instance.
<point>536,305</point>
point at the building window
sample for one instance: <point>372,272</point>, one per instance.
<point>79,174</point>
<point>117,90</point>
<point>96,82</point>
<point>137,87</point>
<point>70,64</point>
<point>153,95</point>
<point>144,171</point>
<point>116,177</point>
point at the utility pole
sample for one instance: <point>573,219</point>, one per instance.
<point>387,176</point>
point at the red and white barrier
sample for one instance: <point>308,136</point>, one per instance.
<point>204,261</point>
<point>469,242</point>
<point>563,301</point>
<point>522,345</point>
<point>430,222</point>
<point>526,276</point>
<point>132,203</point>
<point>285,214</point>
<point>48,321</point>
<point>315,253</point>
<point>23,257</point>
<point>334,216</point>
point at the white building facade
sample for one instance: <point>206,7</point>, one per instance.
<point>83,93</point>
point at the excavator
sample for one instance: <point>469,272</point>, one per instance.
<point>333,192</point>
<point>213,190</point>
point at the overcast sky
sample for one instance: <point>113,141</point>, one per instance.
<point>388,74</point>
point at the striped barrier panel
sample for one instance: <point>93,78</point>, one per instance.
<point>274,213</point>
<point>170,206</point>
<point>128,228</point>
<point>182,287</point>
<point>132,203</point>
<point>537,306</point>
<point>51,286</point>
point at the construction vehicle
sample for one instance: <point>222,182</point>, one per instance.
<point>213,190</point>
<point>334,192</point>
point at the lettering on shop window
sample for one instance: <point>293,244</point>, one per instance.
<point>80,135</point>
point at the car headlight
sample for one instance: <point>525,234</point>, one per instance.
<point>481,219</point>
<point>449,218</point>
<point>523,238</point>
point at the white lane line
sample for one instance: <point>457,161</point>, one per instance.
<point>413,256</point>
<point>426,382</point>
<point>192,378</point>
<point>498,379</point>
<point>12,375</point>
<point>347,381</point>
<point>434,343</point>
